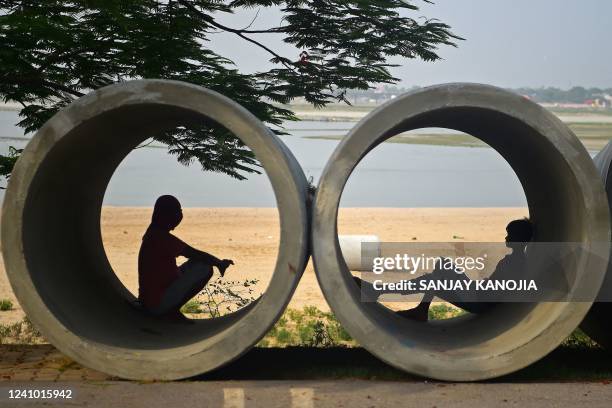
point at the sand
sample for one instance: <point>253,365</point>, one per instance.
<point>250,236</point>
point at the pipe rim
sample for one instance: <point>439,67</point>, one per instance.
<point>382,332</point>
<point>288,182</point>
<point>596,324</point>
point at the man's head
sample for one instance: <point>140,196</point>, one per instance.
<point>167,213</point>
<point>520,232</point>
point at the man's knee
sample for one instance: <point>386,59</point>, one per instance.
<point>198,267</point>
<point>203,269</point>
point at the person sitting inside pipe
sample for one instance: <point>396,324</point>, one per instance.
<point>163,286</point>
<point>519,234</point>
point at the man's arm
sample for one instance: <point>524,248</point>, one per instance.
<point>192,253</point>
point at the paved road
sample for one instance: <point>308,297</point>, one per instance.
<point>315,394</point>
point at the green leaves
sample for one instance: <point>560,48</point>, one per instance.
<point>55,51</point>
<point>8,162</point>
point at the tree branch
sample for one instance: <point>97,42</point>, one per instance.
<point>63,88</point>
<point>56,86</point>
<point>239,33</point>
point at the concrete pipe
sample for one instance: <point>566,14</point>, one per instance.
<point>597,322</point>
<point>557,176</point>
<point>53,248</point>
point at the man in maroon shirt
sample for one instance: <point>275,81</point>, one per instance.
<point>163,286</point>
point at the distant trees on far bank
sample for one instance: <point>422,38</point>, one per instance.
<point>575,95</point>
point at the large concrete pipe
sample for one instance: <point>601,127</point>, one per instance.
<point>597,322</point>
<point>53,247</point>
<point>565,204</point>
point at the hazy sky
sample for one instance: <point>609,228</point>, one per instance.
<point>514,43</point>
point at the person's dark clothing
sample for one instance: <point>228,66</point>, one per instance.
<point>157,267</point>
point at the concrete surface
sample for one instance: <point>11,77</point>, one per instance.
<point>319,394</point>
<point>303,379</point>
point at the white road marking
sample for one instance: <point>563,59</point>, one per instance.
<point>233,397</point>
<point>302,397</point>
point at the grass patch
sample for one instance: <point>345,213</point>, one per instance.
<point>579,340</point>
<point>438,139</point>
<point>444,311</point>
<point>593,135</point>
<point>332,107</point>
<point>6,304</point>
<point>309,327</point>
<point>22,332</point>
<point>221,297</point>
<point>193,307</point>
<point>428,139</point>
<point>581,111</point>
<point>311,344</point>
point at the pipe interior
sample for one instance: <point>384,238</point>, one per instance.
<point>596,324</point>
<point>553,197</point>
<point>63,243</point>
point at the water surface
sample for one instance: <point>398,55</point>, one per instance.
<point>393,175</point>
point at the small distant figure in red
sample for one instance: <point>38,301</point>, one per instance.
<point>163,286</point>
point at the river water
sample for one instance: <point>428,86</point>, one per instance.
<point>393,175</point>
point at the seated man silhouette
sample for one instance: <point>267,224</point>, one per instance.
<point>519,234</point>
<point>163,286</point>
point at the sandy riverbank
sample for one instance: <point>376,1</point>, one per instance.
<point>250,236</point>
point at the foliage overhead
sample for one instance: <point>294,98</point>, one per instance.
<point>56,51</point>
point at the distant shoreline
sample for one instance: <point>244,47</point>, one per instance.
<point>593,128</point>
<point>10,108</point>
<point>350,115</point>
